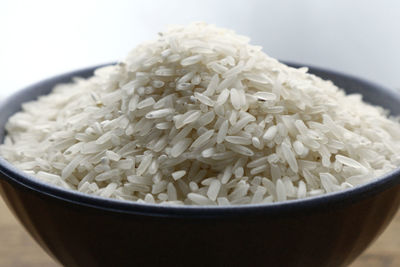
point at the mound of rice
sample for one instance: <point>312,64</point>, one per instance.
<point>200,117</point>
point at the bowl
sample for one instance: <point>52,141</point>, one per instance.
<point>84,230</point>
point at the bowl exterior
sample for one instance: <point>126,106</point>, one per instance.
<point>84,236</point>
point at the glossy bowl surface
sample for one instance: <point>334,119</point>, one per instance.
<point>82,230</point>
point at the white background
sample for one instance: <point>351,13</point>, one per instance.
<point>39,39</point>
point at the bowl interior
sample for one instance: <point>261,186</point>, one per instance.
<point>372,93</point>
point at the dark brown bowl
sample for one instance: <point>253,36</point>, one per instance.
<point>83,230</point>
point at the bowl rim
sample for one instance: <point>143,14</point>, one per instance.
<point>73,197</point>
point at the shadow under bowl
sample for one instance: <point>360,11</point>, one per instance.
<point>83,230</point>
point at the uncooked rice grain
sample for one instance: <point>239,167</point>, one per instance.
<point>201,117</point>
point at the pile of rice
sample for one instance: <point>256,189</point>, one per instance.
<point>201,117</point>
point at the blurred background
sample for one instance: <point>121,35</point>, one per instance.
<point>39,39</point>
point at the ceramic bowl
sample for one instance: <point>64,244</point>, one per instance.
<point>82,230</point>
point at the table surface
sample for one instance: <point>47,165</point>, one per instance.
<point>18,249</point>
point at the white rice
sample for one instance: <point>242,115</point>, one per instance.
<point>178,174</point>
<point>201,117</point>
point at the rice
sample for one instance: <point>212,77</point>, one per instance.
<point>201,117</point>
